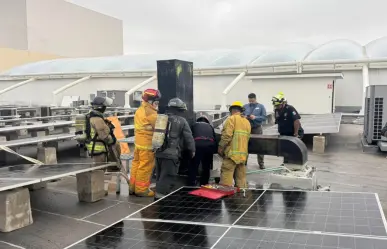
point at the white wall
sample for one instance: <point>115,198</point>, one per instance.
<point>13,24</point>
<point>65,29</point>
<point>378,76</point>
<point>349,91</point>
<point>36,92</point>
<point>207,89</point>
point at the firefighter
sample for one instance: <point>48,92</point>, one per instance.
<point>206,145</point>
<point>287,118</point>
<point>100,132</point>
<point>178,138</point>
<point>144,159</point>
<point>233,147</point>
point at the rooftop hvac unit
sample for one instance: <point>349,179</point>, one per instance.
<point>375,114</point>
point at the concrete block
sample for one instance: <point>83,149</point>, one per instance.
<point>22,132</point>
<point>70,130</point>
<point>38,133</point>
<point>15,209</point>
<point>319,144</point>
<point>37,186</point>
<point>91,186</point>
<point>3,138</point>
<point>47,155</point>
<point>52,144</point>
<point>83,152</point>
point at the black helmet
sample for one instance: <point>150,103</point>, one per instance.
<point>101,101</point>
<point>177,103</point>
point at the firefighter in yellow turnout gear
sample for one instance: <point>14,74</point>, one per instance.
<point>100,139</point>
<point>233,147</point>
<point>144,157</point>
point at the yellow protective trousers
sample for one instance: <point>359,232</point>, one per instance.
<point>141,172</point>
<point>230,169</point>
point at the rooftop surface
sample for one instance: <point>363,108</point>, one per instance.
<point>60,220</point>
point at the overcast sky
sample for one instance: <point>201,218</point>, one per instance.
<point>176,25</point>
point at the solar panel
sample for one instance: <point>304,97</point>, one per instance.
<point>345,213</point>
<point>314,124</point>
<point>7,184</point>
<point>265,239</point>
<point>265,219</point>
<point>48,172</point>
<point>181,206</point>
<point>148,234</point>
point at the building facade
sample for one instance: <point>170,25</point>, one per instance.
<point>33,30</point>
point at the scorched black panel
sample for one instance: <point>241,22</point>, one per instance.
<point>146,234</point>
<point>237,238</point>
<point>181,206</point>
<point>348,213</point>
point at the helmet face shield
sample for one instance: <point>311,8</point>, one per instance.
<point>108,101</point>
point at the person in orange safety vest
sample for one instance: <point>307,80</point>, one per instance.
<point>144,158</point>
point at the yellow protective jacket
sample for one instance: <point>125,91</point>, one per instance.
<point>98,125</point>
<point>144,124</point>
<point>235,138</point>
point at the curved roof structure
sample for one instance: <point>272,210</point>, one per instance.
<point>337,50</point>
<point>377,48</point>
<point>290,52</point>
<point>334,50</point>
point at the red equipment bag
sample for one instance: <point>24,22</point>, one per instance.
<point>214,191</point>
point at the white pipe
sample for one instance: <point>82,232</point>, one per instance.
<point>234,82</point>
<point>59,90</point>
<point>65,87</point>
<point>135,88</point>
<point>366,83</point>
<point>229,87</point>
<point>16,85</point>
<point>286,76</point>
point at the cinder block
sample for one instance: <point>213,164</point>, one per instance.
<point>83,152</point>
<point>91,186</point>
<point>319,144</point>
<point>38,133</point>
<point>37,186</point>
<point>15,209</point>
<point>22,132</point>
<point>47,155</point>
<point>70,130</point>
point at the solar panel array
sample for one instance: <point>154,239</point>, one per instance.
<point>314,124</point>
<point>265,219</point>
<point>23,175</point>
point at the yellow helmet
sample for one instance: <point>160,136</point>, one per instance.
<point>237,104</point>
<point>278,99</point>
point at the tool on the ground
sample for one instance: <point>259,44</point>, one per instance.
<point>214,191</point>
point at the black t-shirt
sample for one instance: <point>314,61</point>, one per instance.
<point>285,119</point>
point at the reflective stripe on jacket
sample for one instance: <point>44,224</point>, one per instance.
<point>144,123</point>
<point>235,138</point>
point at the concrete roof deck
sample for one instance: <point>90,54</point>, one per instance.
<point>60,220</point>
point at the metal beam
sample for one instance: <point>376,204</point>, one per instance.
<point>16,85</point>
<point>229,87</point>
<point>65,87</point>
<point>290,76</point>
<point>136,87</point>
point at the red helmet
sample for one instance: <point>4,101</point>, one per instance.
<point>151,94</point>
